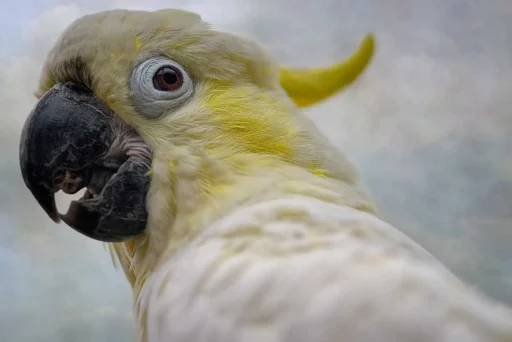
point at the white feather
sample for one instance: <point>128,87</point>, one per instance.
<point>299,269</point>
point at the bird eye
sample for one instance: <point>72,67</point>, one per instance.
<point>159,86</point>
<point>168,78</point>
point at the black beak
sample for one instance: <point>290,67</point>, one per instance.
<point>71,141</point>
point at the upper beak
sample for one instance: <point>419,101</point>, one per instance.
<point>67,144</point>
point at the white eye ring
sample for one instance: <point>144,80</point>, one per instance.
<point>150,101</point>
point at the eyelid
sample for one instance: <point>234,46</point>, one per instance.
<point>150,101</point>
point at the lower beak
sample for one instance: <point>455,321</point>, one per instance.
<point>71,140</point>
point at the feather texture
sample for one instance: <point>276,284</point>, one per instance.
<point>299,269</point>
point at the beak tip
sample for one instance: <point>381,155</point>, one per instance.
<point>55,217</point>
<point>47,202</point>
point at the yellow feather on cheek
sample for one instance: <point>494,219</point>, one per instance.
<point>250,120</point>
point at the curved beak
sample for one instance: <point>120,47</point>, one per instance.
<point>71,140</point>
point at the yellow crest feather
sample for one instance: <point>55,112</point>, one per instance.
<point>307,87</point>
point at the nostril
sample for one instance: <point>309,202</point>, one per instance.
<point>78,87</point>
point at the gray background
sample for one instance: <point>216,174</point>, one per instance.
<point>428,126</point>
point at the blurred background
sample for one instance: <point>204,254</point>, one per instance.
<point>428,125</point>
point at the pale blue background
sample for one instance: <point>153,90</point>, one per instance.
<point>429,126</point>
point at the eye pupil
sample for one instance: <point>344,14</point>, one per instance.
<point>168,78</point>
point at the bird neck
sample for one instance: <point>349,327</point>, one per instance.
<point>189,191</point>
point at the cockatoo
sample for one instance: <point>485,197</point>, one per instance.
<point>233,216</point>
